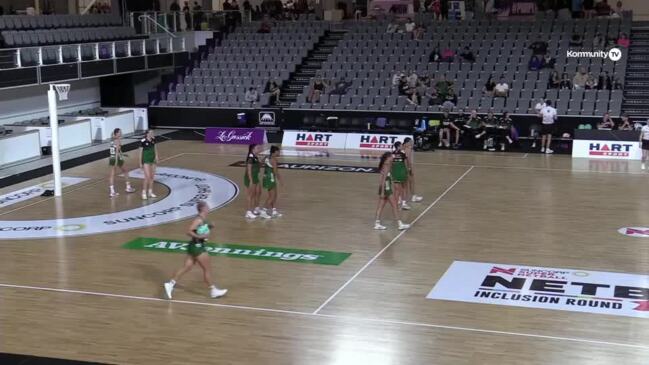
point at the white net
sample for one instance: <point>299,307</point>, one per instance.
<point>62,90</point>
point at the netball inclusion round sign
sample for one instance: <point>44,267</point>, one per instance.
<point>186,187</point>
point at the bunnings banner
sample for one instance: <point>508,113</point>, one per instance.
<point>243,251</point>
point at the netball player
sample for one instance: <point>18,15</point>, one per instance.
<point>644,144</point>
<point>271,180</point>
<point>116,160</point>
<point>199,231</point>
<point>410,186</point>
<point>251,181</point>
<point>400,174</point>
<point>148,162</point>
<point>386,193</point>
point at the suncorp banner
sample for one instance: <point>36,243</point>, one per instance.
<point>620,150</point>
<point>360,141</point>
<point>573,290</point>
<point>314,139</point>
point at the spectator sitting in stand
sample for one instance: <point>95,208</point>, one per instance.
<point>393,27</point>
<point>625,123</point>
<point>605,82</point>
<point>618,12</point>
<point>602,8</point>
<point>539,47</point>
<point>580,79</point>
<point>576,40</point>
<point>441,88</point>
<point>548,61</point>
<point>623,40</point>
<point>410,25</point>
<point>535,63</point>
<point>396,78</point>
<point>435,55</point>
<point>591,82</point>
<point>447,55</point>
<point>617,85</point>
<point>316,90</point>
<point>467,54</point>
<point>501,89</point>
<point>450,100</point>
<point>606,123</point>
<point>413,80</point>
<point>274,91</point>
<point>341,87</point>
<point>554,81</point>
<point>251,95</point>
<point>565,82</point>
<point>489,86</point>
<point>599,41</point>
<point>418,33</point>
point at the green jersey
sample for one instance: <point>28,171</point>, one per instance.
<point>399,168</point>
<point>116,157</point>
<point>270,180</point>
<point>386,188</point>
<point>253,161</point>
<point>148,151</point>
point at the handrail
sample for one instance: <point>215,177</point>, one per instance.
<point>141,17</point>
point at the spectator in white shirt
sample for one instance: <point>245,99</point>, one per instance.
<point>501,89</point>
<point>410,25</point>
<point>549,116</point>
<point>251,95</point>
<point>396,78</point>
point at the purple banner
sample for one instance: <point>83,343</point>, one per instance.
<point>235,135</point>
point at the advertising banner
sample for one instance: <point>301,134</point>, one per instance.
<point>235,135</point>
<point>618,150</point>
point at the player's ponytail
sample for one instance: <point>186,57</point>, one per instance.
<point>115,131</point>
<point>273,149</point>
<point>382,161</point>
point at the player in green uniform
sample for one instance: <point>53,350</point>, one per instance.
<point>386,192</point>
<point>270,182</point>
<point>410,186</point>
<point>116,161</point>
<point>400,174</point>
<point>197,253</point>
<point>148,162</point>
<point>251,181</point>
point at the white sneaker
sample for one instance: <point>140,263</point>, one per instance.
<point>542,149</point>
<point>151,195</point>
<point>144,197</point>
<point>250,215</point>
<point>549,151</point>
<point>440,144</point>
<point>502,147</point>
<point>129,189</point>
<point>169,288</point>
<point>216,292</point>
<point>257,210</point>
<point>417,198</point>
<point>264,215</point>
<point>114,194</point>
<point>643,167</point>
<point>534,145</point>
<point>403,226</point>
<point>405,206</point>
<point>379,227</point>
<point>276,214</point>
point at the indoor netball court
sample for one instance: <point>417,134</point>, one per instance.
<point>512,258</point>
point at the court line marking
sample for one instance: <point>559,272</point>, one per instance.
<point>328,316</point>
<point>68,191</point>
<point>394,240</point>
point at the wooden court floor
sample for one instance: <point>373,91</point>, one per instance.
<point>86,298</point>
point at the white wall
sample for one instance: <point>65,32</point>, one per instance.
<point>30,102</point>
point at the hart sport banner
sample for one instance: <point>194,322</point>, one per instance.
<point>585,291</point>
<point>243,251</point>
<point>235,135</point>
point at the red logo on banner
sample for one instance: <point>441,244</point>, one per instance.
<point>496,270</point>
<point>643,305</point>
